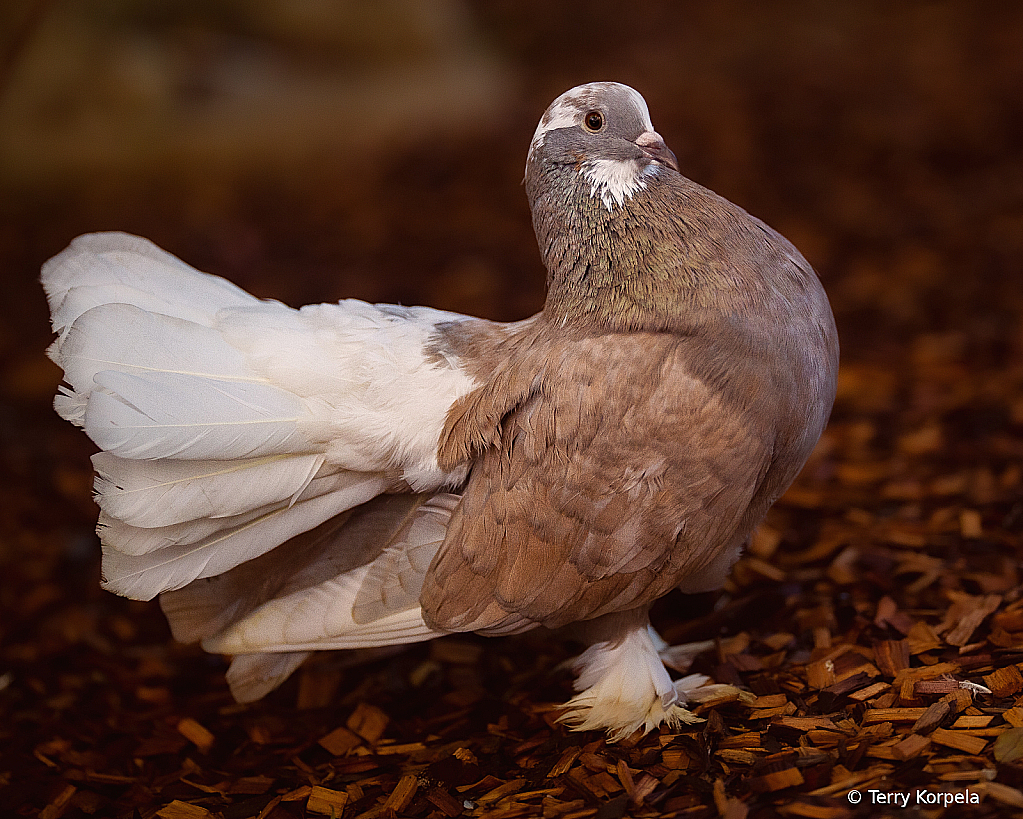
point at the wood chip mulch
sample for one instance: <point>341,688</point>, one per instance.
<point>874,626</point>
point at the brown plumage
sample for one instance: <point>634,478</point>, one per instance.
<point>629,438</point>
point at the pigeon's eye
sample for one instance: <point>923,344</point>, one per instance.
<point>593,121</point>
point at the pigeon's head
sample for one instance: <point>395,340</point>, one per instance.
<point>601,131</point>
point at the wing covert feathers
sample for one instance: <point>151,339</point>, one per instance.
<point>619,475</point>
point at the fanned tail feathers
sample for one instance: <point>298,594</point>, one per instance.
<point>228,424</point>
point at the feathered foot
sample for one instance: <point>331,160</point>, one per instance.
<point>623,686</point>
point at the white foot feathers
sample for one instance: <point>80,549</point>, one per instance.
<point>624,687</point>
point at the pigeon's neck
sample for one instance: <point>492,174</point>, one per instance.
<point>622,267</point>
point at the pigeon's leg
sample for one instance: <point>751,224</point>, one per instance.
<point>681,656</point>
<point>692,687</point>
<point>623,685</point>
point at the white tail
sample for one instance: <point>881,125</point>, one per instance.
<point>229,424</point>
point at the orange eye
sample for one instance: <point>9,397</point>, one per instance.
<point>593,121</point>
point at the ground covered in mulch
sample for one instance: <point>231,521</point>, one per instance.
<point>875,625</point>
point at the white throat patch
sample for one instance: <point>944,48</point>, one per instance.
<point>615,180</point>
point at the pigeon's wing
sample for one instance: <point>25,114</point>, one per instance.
<point>229,424</point>
<point>353,583</point>
<point>627,474</point>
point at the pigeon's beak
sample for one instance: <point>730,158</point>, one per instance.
<point>652,144</point>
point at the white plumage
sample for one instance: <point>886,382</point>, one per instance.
<point>229,424</point>
<point>622,682</point>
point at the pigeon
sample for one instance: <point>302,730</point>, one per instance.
<point>358,476</point>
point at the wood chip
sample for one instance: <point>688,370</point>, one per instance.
<point>809,810</point>
<point>368,721</point>
<point>502,790</point>
<point>769,701</point>
<point>339,741</point>
<point>973,721</point>
<point>625,776</point>
<point>959,699</point>
<point>959,740</point>
<point>944,686</point>
<point>750,739</point>
<point>1004,681</point>
<point>675,758</point>
<point>967,614</point>
<point>767,713</point>
<point>922,637</point>
<point>737,756</point>
<point>805,723</point>
<point>447,804</point>
<point>932,717</point>
<point>927,672</point>
<point>183,810</point>
<point>970,524</point>
<point>891,656</point>
<point>876,715</point>
<point>396,748</point>
<point>645,786</point>
<point>776,780</point>
<point>402,794</point>
<point>326,801</point>
<point>565,761</point>
<point>201,737</point>
<point>55,808</point>
<point>869,692</point>
<point>911,746</point>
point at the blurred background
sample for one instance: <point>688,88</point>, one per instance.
<point>315,150</point>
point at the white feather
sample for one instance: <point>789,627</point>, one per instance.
<point>139,540</point>
<point>96,342</point>
<point>395,579</point>
<point>318,619</point>
<point>330,604</point>
<point>623,687</point>
<point>162,493</point>
<point>230,424</point>
<point>377,399</point>
<point>144,576</point>
<point>253,676</point>
<point>355,378</point>
<point>118,268</point>
<point>614,181</point>
<point>173,415</point>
